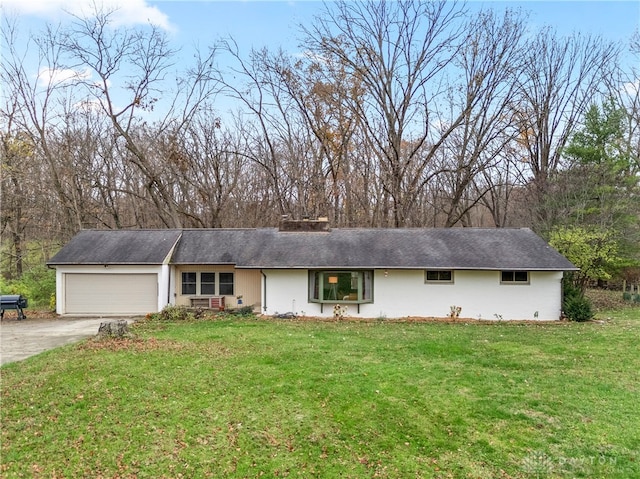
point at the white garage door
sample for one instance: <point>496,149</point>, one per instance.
<point>111,293</point>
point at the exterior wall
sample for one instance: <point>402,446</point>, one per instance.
<point>396,293</point>
<point>479,293</point>
<point>164,286</point>
<point>402,293</point>
<point>246,284</point>
<point>111,269</point>
<point>286,291</point>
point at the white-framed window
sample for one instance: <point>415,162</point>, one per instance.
<point>341,286</point>
<point>208,283</point>
<point>514,277</point>
<point>226,284</point>
<point>438,276</point>
<point>189,282</point>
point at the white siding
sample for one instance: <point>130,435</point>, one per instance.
<point>402,293</point>
<point>286,291</point>
<point>479,293</point>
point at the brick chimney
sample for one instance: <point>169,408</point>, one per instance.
<point>320,224</point>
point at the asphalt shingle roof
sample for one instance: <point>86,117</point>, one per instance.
<point>117,247</point>
<point>444,248</point>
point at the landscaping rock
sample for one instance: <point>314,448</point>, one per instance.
<point>114,329</point>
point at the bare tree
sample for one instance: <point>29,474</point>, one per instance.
<point>325,114</point>
<point>502,185</point>
<point>396,51</point>
<point>624,87</point>
<point>40,102</point>
<point>268,126</point>
<point>18,208</point>
<point>489,63</point>
<point>140,60</point>
<point>560,78</point>
<point>283,130</point>
<point>205,167</point>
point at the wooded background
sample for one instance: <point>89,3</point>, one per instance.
<point>398,115</point>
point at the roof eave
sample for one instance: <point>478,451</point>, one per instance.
<point>415,267</point>
<point>105,263</point>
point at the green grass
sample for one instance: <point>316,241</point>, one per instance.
<point>247,398</point>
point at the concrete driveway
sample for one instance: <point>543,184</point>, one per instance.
<point>21,339</point>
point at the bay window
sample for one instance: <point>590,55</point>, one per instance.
<point>341,286</point>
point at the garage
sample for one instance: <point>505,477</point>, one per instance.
<point>98,294</point>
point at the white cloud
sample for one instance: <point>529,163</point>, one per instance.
<point>631,88</point>
<point>128,12</point>
<point>47,76</point>
<point>89,105</point>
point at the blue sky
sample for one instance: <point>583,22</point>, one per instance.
<point>273,23</point>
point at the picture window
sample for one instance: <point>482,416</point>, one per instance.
<point>341,286</point>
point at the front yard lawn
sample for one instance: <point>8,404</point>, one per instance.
<point>267,398</point>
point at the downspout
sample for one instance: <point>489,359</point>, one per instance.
<point>562,296</point>
<point>264,292</point>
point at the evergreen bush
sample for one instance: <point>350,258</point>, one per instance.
<point>578,308</point>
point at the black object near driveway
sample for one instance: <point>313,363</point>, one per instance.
<point>13,301</point>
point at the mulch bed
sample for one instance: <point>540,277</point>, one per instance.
<point>417,319</point>
<point>48,315</point>
<point>12,315</point>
